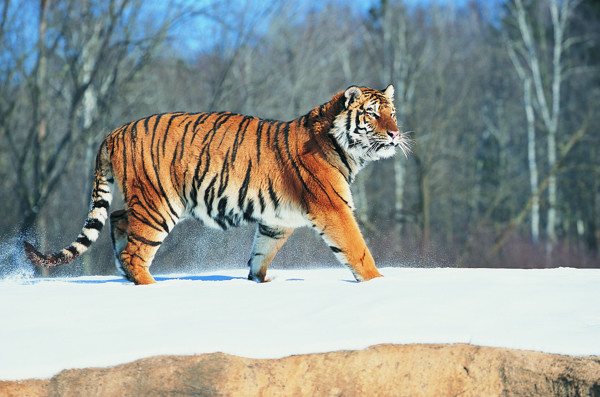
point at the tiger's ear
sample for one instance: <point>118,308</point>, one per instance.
<point>351,95</point>
<point>389,92</point>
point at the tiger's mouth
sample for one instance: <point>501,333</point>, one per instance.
<point>396,140</point>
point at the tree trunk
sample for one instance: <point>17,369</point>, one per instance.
<point>426,203</point>
<point>531,156</point>
<point>558,23</point>
<point>399,182</point>
<point>548,101</point>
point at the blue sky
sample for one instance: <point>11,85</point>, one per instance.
<point>194,34</point>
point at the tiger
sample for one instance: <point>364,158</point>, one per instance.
<point>226,169</point>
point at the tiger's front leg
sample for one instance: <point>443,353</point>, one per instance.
<point>267,241</point>
<point>340,231</point>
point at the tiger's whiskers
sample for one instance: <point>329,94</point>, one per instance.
<point>406,143</point>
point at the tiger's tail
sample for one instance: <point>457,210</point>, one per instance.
<point>100,202</point>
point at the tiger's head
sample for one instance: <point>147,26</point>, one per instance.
<point>366,128</point>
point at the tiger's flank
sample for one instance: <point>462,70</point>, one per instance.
<point>226,170</point>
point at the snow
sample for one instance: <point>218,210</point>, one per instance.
<point>48,325</point>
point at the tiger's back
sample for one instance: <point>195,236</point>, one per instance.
<point>224,169</point>
<point>227,169</point>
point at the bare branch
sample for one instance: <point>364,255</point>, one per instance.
<point>518,219</point>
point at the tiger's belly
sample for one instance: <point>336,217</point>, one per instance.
<point>225,213</point>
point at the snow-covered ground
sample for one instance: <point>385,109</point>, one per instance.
<point>47,325</point>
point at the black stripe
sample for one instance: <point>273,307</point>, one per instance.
<point>194,195</point>
<point>261,123</point>
<point>147,123</point>
<point>278,154</point>
<point>224,175</point>
<point>222,207</point>
<point>209,195</point>
<point>201,118</point>
<point>100,204</point>
<point>304,121</point>
<point>249,212</point>
<point>155,157</point>
<point>322,110</point>
<point>133,128</point>
<point>184,189</point>
<point>342,155</point>
<point>261,201</point>
<point>335,249</point>
<point>295,166</point>
<point>92,223</point>
<point>84,240</point>
<point>143,240</point>
<point>220,120</point>
<point>185,133</point>
<point>269,126</point>
<point>158,226</point>
<point>357,121</point>
<point>239,136</point>
<point>173,170</point>
<point>167,130</point>
<point>198,179</point>
<point>269,232</point>
<point>152,204</point>
<point>339,195</point>
<point>156,165</point>
<point>273,195</point>
<point>349,121</point>
<point>244,187</point>
<point>221,218</point>
<point>161,191</point>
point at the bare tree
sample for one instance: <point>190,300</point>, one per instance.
<point>439,114</point>
<point>531,62</point>
<point>84,53</point>
<point>531,143</point>
<point>404,54</point>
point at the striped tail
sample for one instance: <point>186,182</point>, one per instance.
<point>101,199</point>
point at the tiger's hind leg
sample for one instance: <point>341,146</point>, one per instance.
<point>143,241</point>
<point>119,231</point>
<point>267,241</point>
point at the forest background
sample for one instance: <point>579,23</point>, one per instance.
<point>501,98</point>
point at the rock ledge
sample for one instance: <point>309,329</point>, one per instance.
<point>382,370</point>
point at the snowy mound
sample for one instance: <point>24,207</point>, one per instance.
<point>53,324</point>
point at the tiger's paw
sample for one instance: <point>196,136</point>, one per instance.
<point>141,277</point>
<point>259,278</point>
<point>367,275</point>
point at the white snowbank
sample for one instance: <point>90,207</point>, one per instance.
<point>52,324</point>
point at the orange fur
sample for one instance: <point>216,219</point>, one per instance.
<point>227,169</point>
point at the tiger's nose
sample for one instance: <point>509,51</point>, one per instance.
<point>393,134</point>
